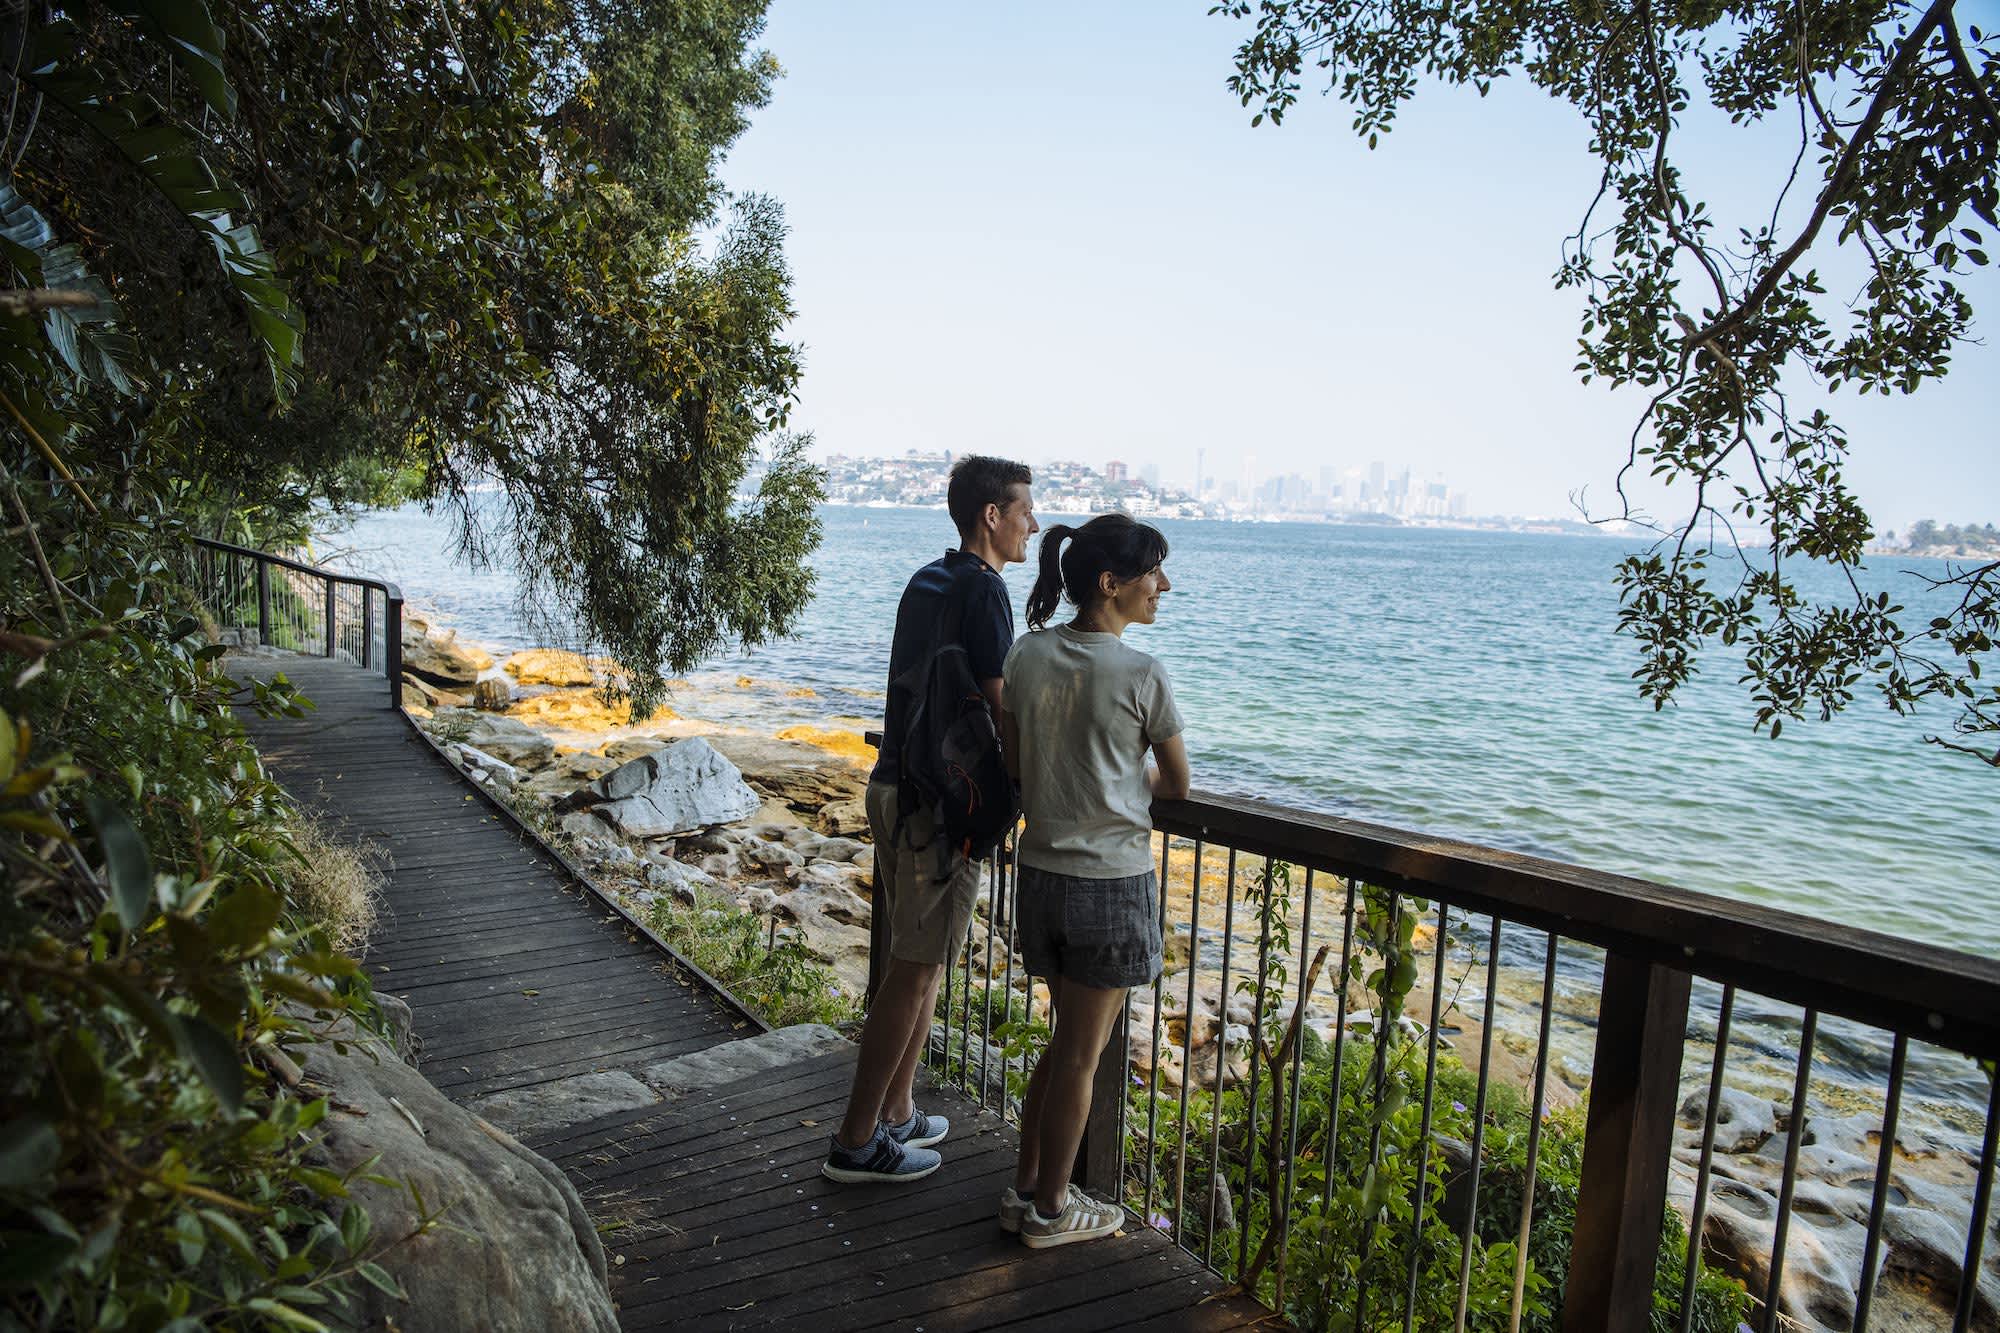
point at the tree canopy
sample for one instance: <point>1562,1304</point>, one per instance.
<point>1729,331</point>
<point>320,243</point>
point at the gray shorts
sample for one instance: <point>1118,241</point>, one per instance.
<point>1096,932</point>
<point>927,918</point>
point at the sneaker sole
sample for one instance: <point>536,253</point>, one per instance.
<point>847,1175</point>
<point>927,1141</point>
<point>1043,1242</point>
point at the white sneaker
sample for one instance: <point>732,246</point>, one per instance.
<point>1013,1211</point>
<point>1082,1218</point>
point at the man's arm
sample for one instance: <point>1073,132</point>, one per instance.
<point>1010,744</point>
<point>991,689</point>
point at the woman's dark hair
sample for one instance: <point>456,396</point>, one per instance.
<point>1072,558</point>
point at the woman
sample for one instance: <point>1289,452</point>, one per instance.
<point>1082,710</point>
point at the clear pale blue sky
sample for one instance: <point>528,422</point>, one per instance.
<point>1047,230</point>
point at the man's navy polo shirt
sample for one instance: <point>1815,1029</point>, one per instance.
<point>988,633</point>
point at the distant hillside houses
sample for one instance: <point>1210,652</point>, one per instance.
<point>1973,541</point>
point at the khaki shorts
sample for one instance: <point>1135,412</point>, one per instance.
<point>927,920</point>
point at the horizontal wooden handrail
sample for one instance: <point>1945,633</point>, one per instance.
<point>1934,994</point>
<point>356,580</point>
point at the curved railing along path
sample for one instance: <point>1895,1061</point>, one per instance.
<point>520,978</point>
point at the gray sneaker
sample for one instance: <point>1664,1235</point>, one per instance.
<point>920,1130</point>
<point>1013,1211</point>
<point>879,1159</point>
<point>1082,1218</point>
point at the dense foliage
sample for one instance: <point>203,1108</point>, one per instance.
<point>327,247</point>
<point>1929,535</point>
<point>1728,329</point>
<point>262,257</point>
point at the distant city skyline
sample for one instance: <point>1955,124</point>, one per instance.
<point>1049,231</point>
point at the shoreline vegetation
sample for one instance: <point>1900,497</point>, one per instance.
<point>774,901</point>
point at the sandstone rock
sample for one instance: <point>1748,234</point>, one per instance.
<point>834,902</point>
<point>768,1052</point>
<point>759,899</point>
<point>491,693</point>
<point>773,857</point>
<point>550,666</point>
<point>683,787</point>
<point>515,742</point>
<point>843,819</point>
<point>515,1250</point>
<point>475,760</point>
<point>527,1112</point>
<point>842,849</point>
<point>804,777</point>
<point>588,830</point>
<point>418,692</point>
<point>632,747</point>
<point>440,658</point>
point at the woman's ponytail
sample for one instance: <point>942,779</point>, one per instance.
<point>1047,592</point>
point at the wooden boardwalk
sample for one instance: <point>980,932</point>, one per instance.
<point>712,1206</point>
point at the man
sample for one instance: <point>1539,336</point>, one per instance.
<point>884,1137</point>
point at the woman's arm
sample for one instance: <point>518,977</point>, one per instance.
<point>1168,778</point>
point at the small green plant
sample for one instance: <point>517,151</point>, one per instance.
<point>777,977</point>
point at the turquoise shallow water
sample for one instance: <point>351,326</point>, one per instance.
<point>1460,683</point>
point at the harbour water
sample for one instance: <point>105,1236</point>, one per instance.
<point>1464,683</point>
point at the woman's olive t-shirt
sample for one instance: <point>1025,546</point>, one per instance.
<point>1087,708</point>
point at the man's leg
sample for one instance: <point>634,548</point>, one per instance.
<point>900,1100</point>
<point>902,1007</point>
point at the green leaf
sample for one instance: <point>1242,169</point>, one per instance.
<point>187,30</point>
<point>285,1314</point>
<point>242,922</point>
<point>29,1148</point>
<point>9,749</point>
<point>127,863</point>
<point>28,1257</point>
<point>381,1279</point>
<point>214,1057</point>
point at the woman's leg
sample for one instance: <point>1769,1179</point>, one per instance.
<point>1084,1019</point>
<point>1028,1167</point>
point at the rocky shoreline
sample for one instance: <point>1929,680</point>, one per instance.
<point>722,815</point>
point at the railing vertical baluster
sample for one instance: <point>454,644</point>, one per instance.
<point>1256,1049</point>
<point>965,1025</point>
<point>1153,1083</point>
<point>944,1050</point>
<point>1301,953</point>
<point>994,887</point>
<point>1698,1218</point>
<point>1424,1132</point>
<point>1534,1140</point>
<point>1885,1161</point>
<point>1478,1129</point>
<point>1982,1200</point>
<point>1794,1138</point>
<point>1378,1080</point>
<point>1187,1043</point>
<point>1339,1046</point>
<point>1222,1056</point>
<point>1008,851</point>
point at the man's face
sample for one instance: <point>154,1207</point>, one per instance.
<point>1015,523</point>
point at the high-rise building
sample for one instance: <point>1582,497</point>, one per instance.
<point>1114,471</point>
<point>1150,474</point>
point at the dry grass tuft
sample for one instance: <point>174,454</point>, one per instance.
<point>340,885</point>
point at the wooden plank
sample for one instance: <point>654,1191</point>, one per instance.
<point>1628,1134</point>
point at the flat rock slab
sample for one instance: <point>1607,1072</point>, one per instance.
<point>529,1112</point>
<point>741,1059</point>
<point>683,787</point>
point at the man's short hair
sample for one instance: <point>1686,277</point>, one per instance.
<point>978,481</point>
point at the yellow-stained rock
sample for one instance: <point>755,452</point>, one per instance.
<point>581,710</point>
<point>847,744</point>
<point>553,666</point>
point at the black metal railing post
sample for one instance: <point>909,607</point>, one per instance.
<point>263,605</point>
<point>1628,1136</point>
<point>392,645</point>
<point>368,629</point>
<point>332,644</point>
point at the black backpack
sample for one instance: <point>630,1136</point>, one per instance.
<point>950,749</point>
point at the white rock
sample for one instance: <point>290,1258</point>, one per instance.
<point>686,786</point>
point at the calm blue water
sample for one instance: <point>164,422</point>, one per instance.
<point>1458,683</point>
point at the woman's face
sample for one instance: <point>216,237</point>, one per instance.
<point>1137,601</point>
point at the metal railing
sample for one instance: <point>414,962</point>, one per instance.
<point>301,608</point>
<point>1300,1134</point>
